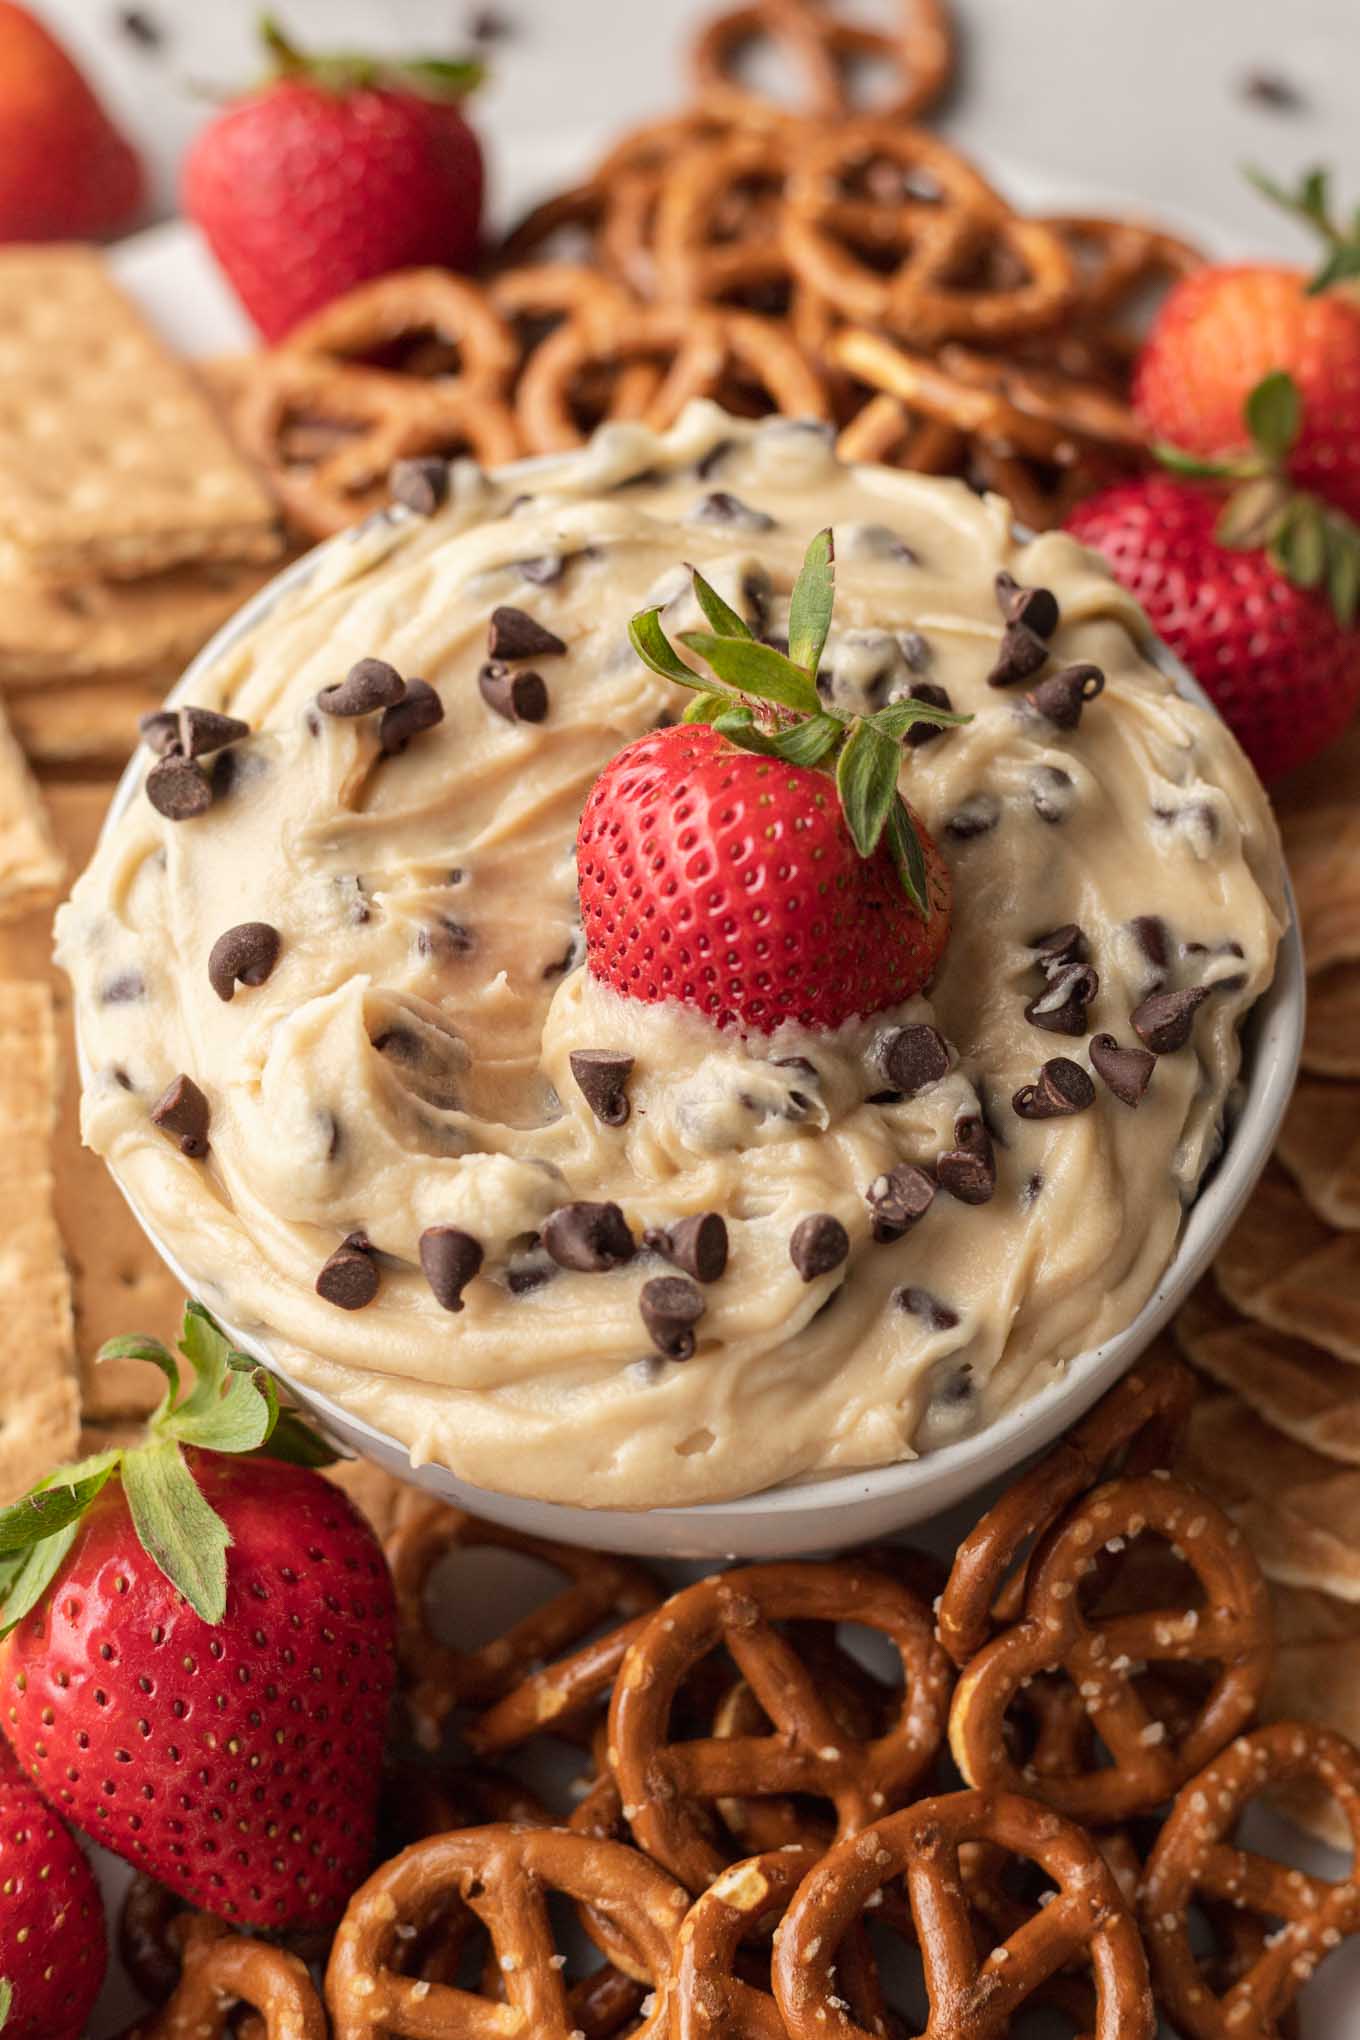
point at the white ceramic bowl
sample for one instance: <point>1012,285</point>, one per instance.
<point>841,1509</point>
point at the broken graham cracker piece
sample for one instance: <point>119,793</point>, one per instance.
<point>1299,1512</point>
<point>1296,1387</point>
<point>113,464</point>
<point>1331,1033</point>
<point>83,722</point>
<point>1319,1144</point>
<point>31,865</point>
<point>93,630</point>
<point>1287,1268</point>
<point>118,1281</point>
<point>39,1397</point>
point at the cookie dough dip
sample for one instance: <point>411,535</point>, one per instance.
<point>347,1057</point>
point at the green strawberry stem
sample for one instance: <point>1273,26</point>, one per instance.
<point>231,1406</point>
<point>343,71</point>
<point>1310,201</point>
<point>766,701</point>
<point>1309,542</point>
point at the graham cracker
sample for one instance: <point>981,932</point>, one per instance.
<point>1296,1387</point>
<point>31,865</point>
<point>95,629</point>
<point>85,722</point>
<point>1315,1677</point>
<point>1323,850</point>
<point>1299,1512</point>
<point>119,1283</point>
<point>1319,1144</point>
<point>1331,1035</point>
<point>1286,1267</point>
<point>39,1397</point>
<point>113,464</point>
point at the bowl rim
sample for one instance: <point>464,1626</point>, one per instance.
<point>1276,1021</point>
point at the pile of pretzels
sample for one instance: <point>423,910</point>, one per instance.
<point>820,261</point>
<point>767,1834</point>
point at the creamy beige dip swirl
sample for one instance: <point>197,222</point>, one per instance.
<point>407,1062</point>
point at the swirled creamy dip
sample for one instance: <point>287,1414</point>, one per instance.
<point>405,1063</point>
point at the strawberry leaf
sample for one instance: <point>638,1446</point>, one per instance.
<point>1251,515</point>
<point>35,1575</point>
<point>809,742</point>
<point>136,1346</point>
<point>705,707</point>
<point>754,668</point>
<point>49,1509</point>
<point>177,1528</point>
<point>1299,546</point>
<point>210,1355</point>
<point>241,1419</point>
<point>1274,414</point>
<point>1341,265</point>
<point>1203,467</point>
<point>1343,568</point>
<point>810,606</point>
<point>897,718</point>
<point>908,856</point>
<point>655,649</point>
<point>866,779</point>
<point>738,724</point>
<point>297,1443</point>
<point>720,614</point>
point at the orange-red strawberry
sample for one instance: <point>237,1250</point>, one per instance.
<point>200,1652</point>
<point>53,1948</point>
<point>336,170</point>
<point>65,171</point>
<point>1279,666</point>
<point>1224,329</point>
<point>730,882</point>
<point>721,863</point>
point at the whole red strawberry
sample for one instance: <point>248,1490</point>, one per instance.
<point>201,1659</point>
<point>721,866</point>
<point>65,171</point>
<point>53,1949</point>
<point>336,170</point>
<point>1279,666</point>
<point>1224,329</point>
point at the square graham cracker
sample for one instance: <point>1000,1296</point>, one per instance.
<point>88,724</point>
<point>118,1281</point>
<point>31,864</point>
<point>39,1393</point>
<point>112,461</point>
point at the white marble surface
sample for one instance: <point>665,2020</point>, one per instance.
<point>1135,98</point>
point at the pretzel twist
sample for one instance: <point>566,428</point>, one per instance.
<point>825,49</point>
<point>503,1875</point>
<point>972,1997</point>
<point>1101,1656</point>
<point>1195,1861</point>
<point>666,1787</point>
<point>223,1971</point>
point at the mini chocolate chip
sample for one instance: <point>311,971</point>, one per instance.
<point>182,1110</point>
<point>523,1277</point>
<point>124,990</point>
<point>918,657</point>
<point>419,709</point>
<point>1164,1020</point>
<point>919,733</point>
<point>1022,653</point>
<point>1062,1089</point>
<point>421,485</point>
<point>671,1306</point>
<point>449,1258</point>
<point>514,634</point>
<point>1061,1008</point>
<point>1127,1071</point>
<point>445,937</point>
<point>139,28</point>
<point>349,1279</point>
<point>719,507</point>
<point>1051,793</point>
<point>178,787</point>
<point>588,1237</point>
<point>818,1244</point>
<point>489,24</point>
<point>518,696</point>
<point>369,685</point>
<point>697,1244</point>
<point>922,1304</point>
<point>1153,937</point>
<point>1037,608</point>
<point>1060,947</point>
<point>542,570</point>
<point>602,1074</point>
<point>709,463</point>
<point>911,1058</point>
<point>968,1169</point>
<point>568,960</point>
<point>974,817</point>
<point>159,731</point>
<point>243,955</point>
<point>203,730</point>
<point>898,1198</point>
<point>1061,697</point>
